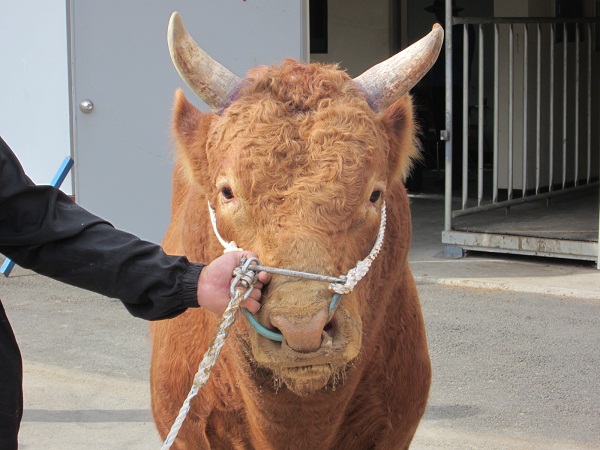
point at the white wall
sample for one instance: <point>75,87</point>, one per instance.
<point>106,55</point>
<point>34,92</point>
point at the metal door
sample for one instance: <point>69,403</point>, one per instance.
<point>122,89</point>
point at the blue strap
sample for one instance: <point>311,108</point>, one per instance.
<point>274,336</point>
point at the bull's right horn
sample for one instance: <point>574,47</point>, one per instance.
<point>388,81</point>
<point>209,80</point>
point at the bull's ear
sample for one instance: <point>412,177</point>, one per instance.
<point>399,122</point>
<point>190,130</point>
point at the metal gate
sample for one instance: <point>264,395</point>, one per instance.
<point>529,163</point>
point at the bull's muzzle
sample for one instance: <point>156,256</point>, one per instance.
<point>281,323</point>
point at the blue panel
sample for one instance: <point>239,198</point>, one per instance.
<point>62,172</point>
<point>7,266</point>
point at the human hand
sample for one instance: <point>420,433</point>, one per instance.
<point>215,280</point>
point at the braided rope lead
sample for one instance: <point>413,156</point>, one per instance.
<point>208,361</point>
<point>362,267</point>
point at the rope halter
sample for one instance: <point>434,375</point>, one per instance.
<point>343,284</point>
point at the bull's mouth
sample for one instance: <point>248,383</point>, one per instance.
<point>307,372</point>
<point>304,380</point>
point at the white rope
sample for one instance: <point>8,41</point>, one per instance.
<point>208,361</point>
<point>362,267</point>
<point>229,246</point>
<point>211,355</point>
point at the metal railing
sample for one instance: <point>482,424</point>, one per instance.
<point>546,139</point>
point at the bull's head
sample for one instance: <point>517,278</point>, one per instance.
<point>296,161</point>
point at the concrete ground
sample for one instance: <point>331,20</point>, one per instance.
<point>513,343</point>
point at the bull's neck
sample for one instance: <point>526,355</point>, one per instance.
<point>316,418</point>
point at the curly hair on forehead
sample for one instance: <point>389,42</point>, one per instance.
<point>308,131</point>
<point>300,86</point>
<point>300,139</point>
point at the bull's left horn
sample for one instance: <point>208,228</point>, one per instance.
<point>388,81</point>
<point>209,80</point>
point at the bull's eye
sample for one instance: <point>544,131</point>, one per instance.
<point>375,195</point>
<point>227,193</point>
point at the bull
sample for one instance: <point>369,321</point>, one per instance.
<point>299,163</point>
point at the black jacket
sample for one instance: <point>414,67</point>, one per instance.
<point>42,229</point>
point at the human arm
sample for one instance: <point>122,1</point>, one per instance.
<point>43,230</point>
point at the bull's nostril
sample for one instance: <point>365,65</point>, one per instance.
<point>304,333</point>
<point>332,325</point>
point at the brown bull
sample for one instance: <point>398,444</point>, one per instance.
<point>297,161</point>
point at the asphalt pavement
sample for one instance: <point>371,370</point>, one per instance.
<point>513,343</point>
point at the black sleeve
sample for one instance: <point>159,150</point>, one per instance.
<point>42,229</point>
